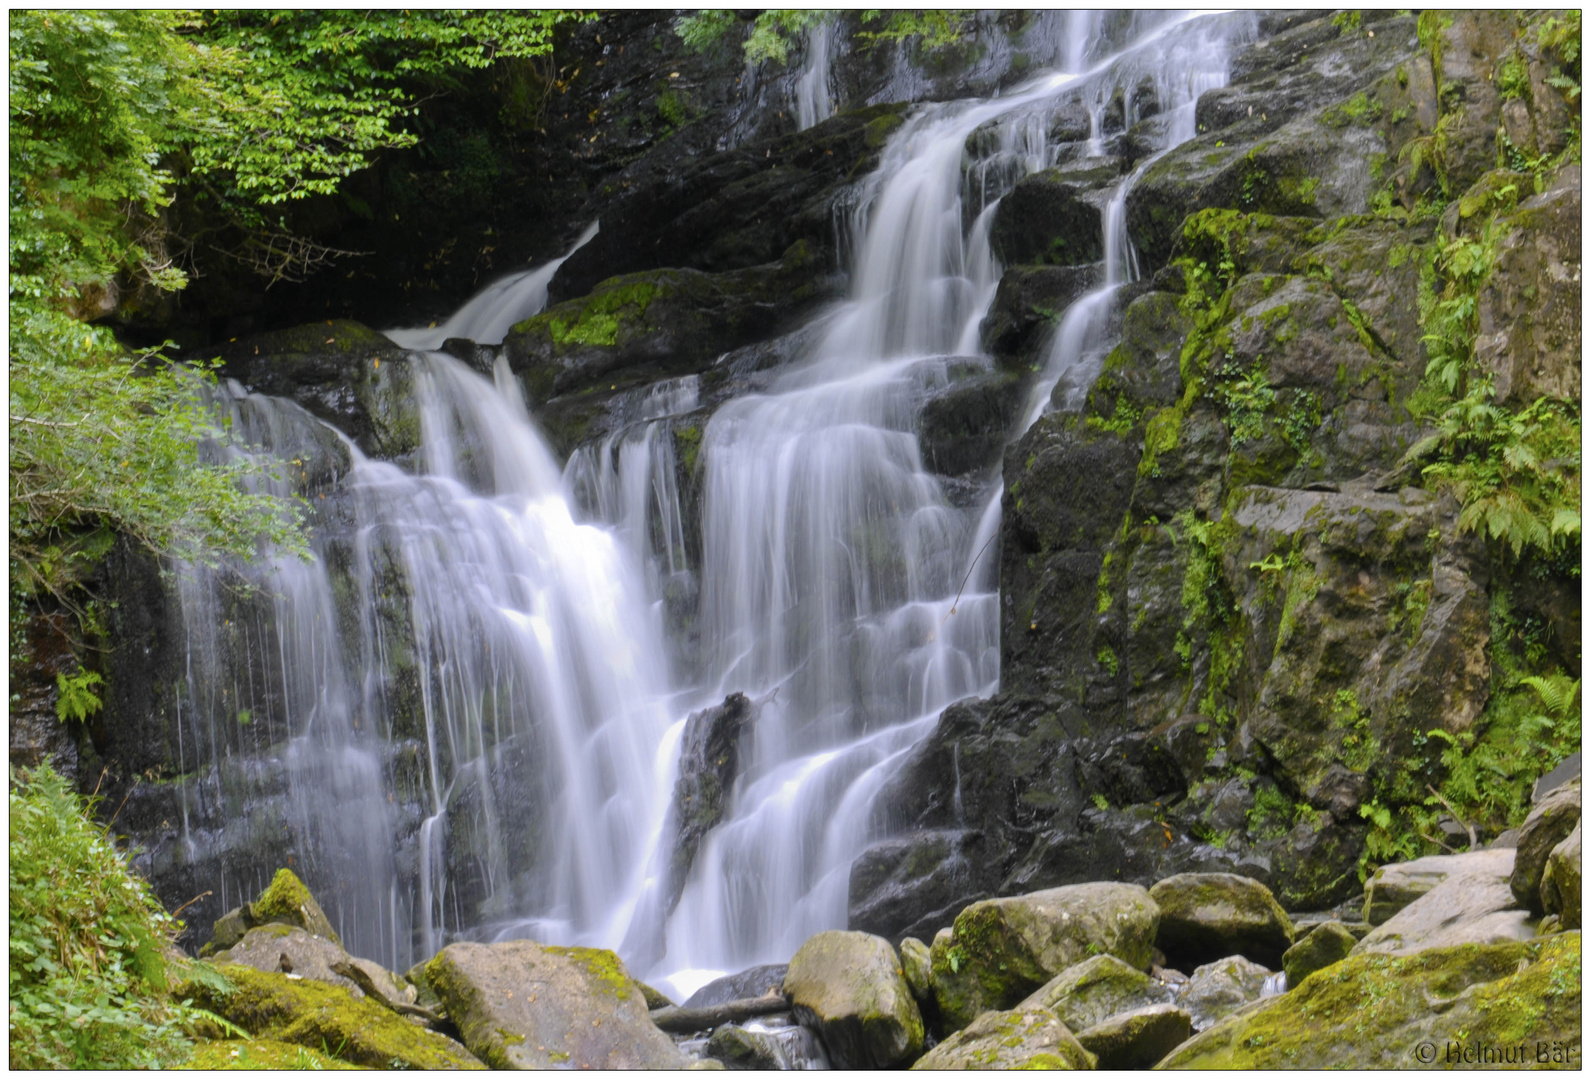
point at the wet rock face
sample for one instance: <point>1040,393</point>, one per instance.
<point>709,763</point>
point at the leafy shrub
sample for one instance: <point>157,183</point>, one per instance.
<point>89,974</point>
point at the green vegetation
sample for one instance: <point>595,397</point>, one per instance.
<point>90,970</point>
<point>772,31</point>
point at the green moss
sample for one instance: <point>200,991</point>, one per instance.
<point>603,965</point>
<point>1106,657</point>
<point>287,899</point>
<point>228,1054</point>
<point>689,439</point>
<point>321,1016</point>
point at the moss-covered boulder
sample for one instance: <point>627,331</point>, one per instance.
<point>1087,994</point>
<point>917,964</point>
<point>1320,948</point>
<point>1050,218</point>
<point>1204,917</point>
<point>1379,1012</point>
<point>1027,306</point>
<point>1030,1037</point>
<point>320,1016</point>
<point>849,986</point>
<point>1137,1039</point>
<point>522,1005</point>
<point>1220,988</point>
<point>287,900</point>
<point>1000,951</point>
<point>1395,886</point>
<point>1554,817</point>
<point>1560,882</point>
<point>1473,906</point>
<point>288,949</point>
<point>228,1054</point>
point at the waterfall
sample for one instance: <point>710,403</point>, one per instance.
<point>487,316</point>
<point>813,99</point>
<point>470,686</point>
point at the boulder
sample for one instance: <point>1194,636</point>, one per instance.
<point>1049,218</point>
<point>1030,1037</point>
<point>1215,990</point>
<point>849,987</point>
<point>1320,948</point>
<point>287,900</point>
<point>523,1005</point>
<point>999,951</point>
<point>1087,994</point>
<point>319,1016</point>
<point>738,1048</point>
<point>290,950</point>
<point>1395,886</point>
<point>1553,817</point>
<point>1472,907</point>
<point>709,760</point>
<point>917,964</point>
<point>1204,917</point>
<point>1560,882</point>
<point>1378,1012</point>
<point>914,884</point>
<point>1566,770</point>
<point>1137,1039</point>
<point>754,982</point>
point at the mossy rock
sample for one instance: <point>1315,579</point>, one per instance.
<point>1088,994</point>
<point>1378,1012</point>
<point>321,1016</point>
<point>519,1004</point>
<point>1204,917</point>
<point>1030,1037</point>
<point>1395,886</point>
<point>1560,883</point>
<point>287,900</point>
<point>917,964</point>
<point>1554,817</point>
<point>1220,988</point>
<point>849,986</point>
<point>1000,951</point>
<point>229,1054</point>
<point>1320,948</point>
<point>1137,1039</point>
<point>1473,906</point>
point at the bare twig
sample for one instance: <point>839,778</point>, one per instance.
<point>1473,845</point>
<point>195,900</point>
<point>967,578</point>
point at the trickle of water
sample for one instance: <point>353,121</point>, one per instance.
<point>813,96</point>
<point>487,316</point>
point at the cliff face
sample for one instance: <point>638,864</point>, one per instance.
<point>1242,627</point>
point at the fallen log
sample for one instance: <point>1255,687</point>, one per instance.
<point>678,1020</point>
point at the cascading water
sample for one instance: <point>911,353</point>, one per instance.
<point>814,100</point>
<point>481,729</point>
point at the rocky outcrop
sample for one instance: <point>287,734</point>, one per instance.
<point>1000,951</point>
<point>1029,1037</point>
<point>521,1005</point>
<point>1204,917</point>
<point>709,763</point>
<point>1395,886</point>
<point>849,987</point>
<point>1320,948</point>
<point>1374,1011</point>
<point>1553,818</point>
<point>1475,905</point>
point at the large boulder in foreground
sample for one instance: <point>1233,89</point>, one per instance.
<point>1137,1039</point>
<point>1474,906</point>
<point>1031,1037</point>
<point>1554,817</point>
<point>320,1016</point>
<point>1560,883</point>
<point>1395,886</point>
<point>850,987</point>
<point>1204,917</point>
<point>1000,951</point>
<point>1379,1012</point>
<point>522,1005</point>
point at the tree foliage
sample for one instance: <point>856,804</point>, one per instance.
<point>771,31</point>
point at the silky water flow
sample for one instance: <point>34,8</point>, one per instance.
<point>470,689</point>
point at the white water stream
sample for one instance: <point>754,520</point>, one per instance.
<point>539,723</point>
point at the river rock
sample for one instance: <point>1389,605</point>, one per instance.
<point>1137,1039</point>
<point>999,951</point>
<point>1321,947</point>
<point>1378,1012</point>
<point>523,1005</point>
<point>850,987</point>
<point>1395,886</point>
<point>738,1048</point>
<point>709,759</point>
<point>323,1017</point>
<point>1204,917</point>
<point>288,949</point>
<point>1087,994</point>
<point>1560,882</point>
<point>1216,989</point>
<point>917,964</point>
<point>754,982</point>
<point>1030,1037</point>
<point>1552,818</point>
<point>1475,906</point>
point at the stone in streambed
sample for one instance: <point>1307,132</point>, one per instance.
<point>1000,951</point>
<point>1376,1012</point>
<point>522,1005</point>
<point>1223,987</point>
<point>1137,1039</point>
<point>1029,1037</point>
<point>1320,948</point>
<point>849,986</point>
<point>754,982</point>
<point>1474,906</point>
<point>1088,994</point>
<point>1395,886</point>
<point>1553,817</point>
<point>1560,882</point>
<point>917,964</point>
<point>1204,917</point>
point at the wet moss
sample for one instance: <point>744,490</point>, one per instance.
<point>288,900</point>
<point>230,1054</point>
